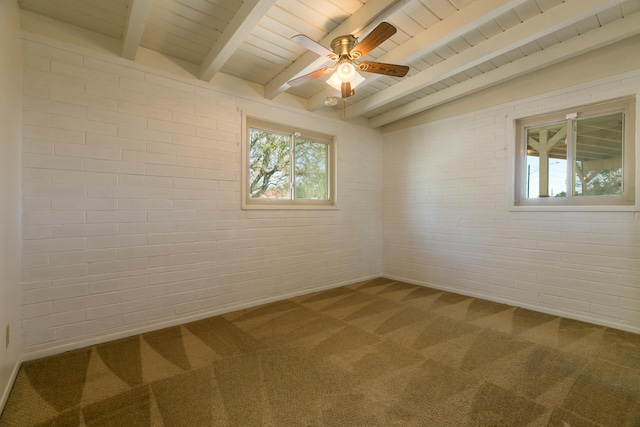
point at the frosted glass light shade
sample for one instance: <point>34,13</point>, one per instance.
<point>335,82</point>
<point>345,71</point>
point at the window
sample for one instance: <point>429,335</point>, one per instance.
<point>287,168</point>
<point>578,157</point>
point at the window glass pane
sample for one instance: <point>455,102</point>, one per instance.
<point>597,167</point>
<point>582,157</point>
<point>312,170</point>
<point>546,161</point>
<point>287,168</point>
<point>269,165</point>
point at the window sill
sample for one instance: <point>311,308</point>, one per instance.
<point>574,208</point>
<point>288,206</point>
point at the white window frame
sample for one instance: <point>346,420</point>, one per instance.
<point>249,203</point>
<point>628,201</point>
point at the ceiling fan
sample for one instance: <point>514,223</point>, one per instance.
<point>346,51</point>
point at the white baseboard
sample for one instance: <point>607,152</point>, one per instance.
<point>12,379</point>
<point>74,345</point>
<point>541,309</point>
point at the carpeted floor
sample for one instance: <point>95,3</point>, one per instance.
<point>376,353</point>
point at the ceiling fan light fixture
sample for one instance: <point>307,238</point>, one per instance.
<point>336,82</point>
<point>345,71</point>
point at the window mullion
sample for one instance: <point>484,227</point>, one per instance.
<point>571,176</point>
<point>293,166</point>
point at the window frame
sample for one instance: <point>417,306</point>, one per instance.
<point>250,122</point>
<point>627,201</point>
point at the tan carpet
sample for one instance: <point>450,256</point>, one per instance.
<point>376,353</point>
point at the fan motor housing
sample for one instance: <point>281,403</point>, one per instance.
<point>343,45</point>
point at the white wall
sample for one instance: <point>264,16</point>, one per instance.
<point>9,193</point>
<point>131,201</point>
<point>447,222</point>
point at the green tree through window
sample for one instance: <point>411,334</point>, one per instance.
<point>312,169</point>
<point>270,165</point>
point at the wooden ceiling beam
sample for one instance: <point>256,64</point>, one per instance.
<point>245,19</point>
<point>134,28</point>
<point>575,46</point>
<point>439,34</point>
<point>554,19</point>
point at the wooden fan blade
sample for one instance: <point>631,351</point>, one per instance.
<point>311,45</point>
<point>382,68</point>
<point>379,34</point>
<point>308,77</point>
<point>346,90</point>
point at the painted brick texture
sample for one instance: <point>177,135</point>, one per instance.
<point>447,223</point>
<point>131,198</point>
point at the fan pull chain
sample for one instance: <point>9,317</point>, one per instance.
<point>344,109</point>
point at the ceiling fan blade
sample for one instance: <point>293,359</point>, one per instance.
<point>379,34</point>
<point>311,45</point>
<point>308,77</point>
<point>382,68</point>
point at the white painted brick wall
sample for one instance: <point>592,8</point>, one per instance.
<point>131,198</point>
<point>446,221</point>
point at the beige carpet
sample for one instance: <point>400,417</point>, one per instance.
<point>376,353</point>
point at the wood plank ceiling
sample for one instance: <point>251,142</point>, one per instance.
<point>453,47</point>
